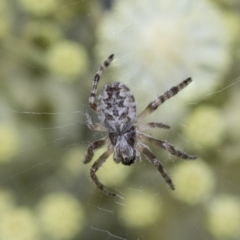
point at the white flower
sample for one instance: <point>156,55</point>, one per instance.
<point>39,8</point>
<point>205,127</point>
<point>223,217</point>
<point>140,209</point>
<point>20,224</point>
<point>61,215</point>
<point>67,59</point>
<point>194,181</point>
<point>161,43</point>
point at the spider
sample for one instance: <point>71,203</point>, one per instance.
<point>116,111</point>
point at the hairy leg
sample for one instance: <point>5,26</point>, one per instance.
<point>95,168</point>
<point>93,126</point>
<point>96,79</point>
<point>147,126</point>
<point>165,145</point>
<point>152,158</point>
<point>93,146</point>
<point>162,98</point>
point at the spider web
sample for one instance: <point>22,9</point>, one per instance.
<point>45,188</point>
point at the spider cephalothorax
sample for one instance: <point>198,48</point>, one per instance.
<point>124,144</point>
<point>116,110</point>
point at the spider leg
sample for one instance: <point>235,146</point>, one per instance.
<point>152,158</point>
<point>93,146</point>
<point>162,98</point>
<point>165,145</point>
<point>96,79</point>
<point>93,126</point>
<point>147,126</point>
<point>95,168</point>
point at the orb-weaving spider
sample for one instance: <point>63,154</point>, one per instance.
<point>116,110</point>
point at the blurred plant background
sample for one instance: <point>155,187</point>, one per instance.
<point>49,52</point>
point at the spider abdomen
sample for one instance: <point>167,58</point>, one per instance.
<point>116,107</point>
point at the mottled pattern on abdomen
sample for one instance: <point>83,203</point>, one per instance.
<point>116,107</point>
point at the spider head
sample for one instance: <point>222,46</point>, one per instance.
<point>124,146</point>
<point>124,153</point>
